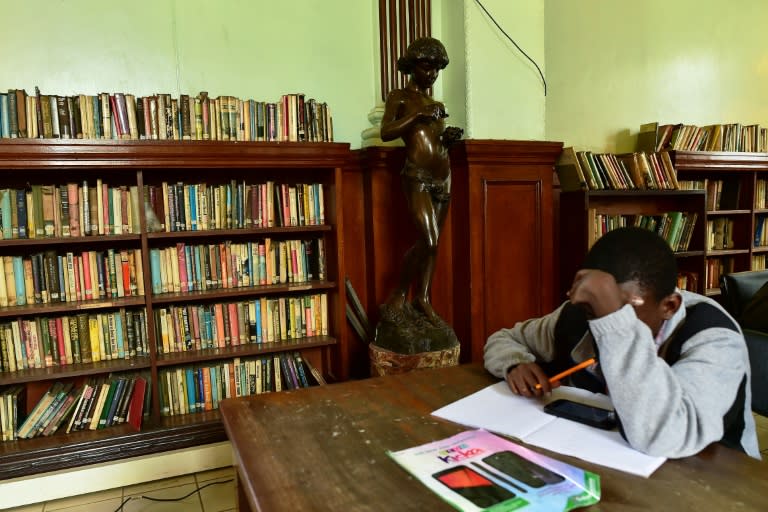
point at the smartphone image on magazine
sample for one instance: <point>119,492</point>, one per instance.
<point>587,414</point>
<point>473,486</point>
<point>522,469</point>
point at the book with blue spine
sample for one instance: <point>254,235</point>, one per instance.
<point>18,278</point>
<point>154,267</point>
<point>5,120</point>
<point>121,352</point>
<point>193,207</point>
<point>190,381</point>
<point>214,370</point>
<point>190,267</point>
<point>5,212</point>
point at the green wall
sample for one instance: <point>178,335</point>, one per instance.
<point>256,49</point>
<point>610,65</point>
<point>613,65</point>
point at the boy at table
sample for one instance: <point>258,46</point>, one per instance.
<point>674,363</point>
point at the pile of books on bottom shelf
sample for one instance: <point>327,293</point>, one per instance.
<point>96,404</point>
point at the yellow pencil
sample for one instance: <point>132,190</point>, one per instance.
<point>569,371</point>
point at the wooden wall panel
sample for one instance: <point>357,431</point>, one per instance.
<point>495,258</point>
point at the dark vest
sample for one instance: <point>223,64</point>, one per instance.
<point>572,325</point>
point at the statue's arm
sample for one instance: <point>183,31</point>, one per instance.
<point>400,115</point>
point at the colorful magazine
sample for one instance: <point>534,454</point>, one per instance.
<point>477,470</point>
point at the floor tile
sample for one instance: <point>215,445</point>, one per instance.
<point>109,505</point>
<point>146,487</point>
<point>191,503</point>
<point>79,501</point>
<point>215,474</point>
<point>218,496</point>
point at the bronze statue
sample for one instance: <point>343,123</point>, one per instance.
<point>411,114</point>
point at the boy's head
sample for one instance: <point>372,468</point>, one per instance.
<point>643,264</point>
<point>423,49</point>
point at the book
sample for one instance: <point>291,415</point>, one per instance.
<point>569,171</point>
<point>476,470</point>
<point>135,415</point>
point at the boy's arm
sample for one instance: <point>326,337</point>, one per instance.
<point>526,342</point>
<point>670,411</point>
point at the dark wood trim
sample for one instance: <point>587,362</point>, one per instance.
<point>42,455</point>
<point>130,154</point>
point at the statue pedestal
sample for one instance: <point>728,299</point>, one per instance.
<point>386,362</point>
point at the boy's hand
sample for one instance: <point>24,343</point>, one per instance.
<point>522,380</point>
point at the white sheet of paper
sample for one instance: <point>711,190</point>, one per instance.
<point>497,409</point>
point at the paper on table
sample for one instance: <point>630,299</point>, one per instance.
<point>497,409</point>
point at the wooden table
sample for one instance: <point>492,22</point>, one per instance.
<point>324,448</point>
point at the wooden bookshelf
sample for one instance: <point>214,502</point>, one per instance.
<point>24,162</point>
<point>741,174</point>
<point>579,211</point>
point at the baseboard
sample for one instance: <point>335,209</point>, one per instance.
<point>100,477</point>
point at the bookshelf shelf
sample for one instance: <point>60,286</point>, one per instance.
<point>583,212</point>
<point>176,358</point>
<point>244,233</point>
<point>73,370</point>
<point>229,293</point>
<point>712,213</point>
<point>743,175</point>
<point>140,165</point>
<point>70,307</point>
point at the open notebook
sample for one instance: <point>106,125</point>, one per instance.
<point>497,409</point>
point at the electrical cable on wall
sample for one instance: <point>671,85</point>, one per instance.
<point>516,45</point>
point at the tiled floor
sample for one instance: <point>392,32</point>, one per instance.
<point>218,497</point>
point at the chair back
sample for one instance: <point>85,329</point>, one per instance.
<point>738,288</point>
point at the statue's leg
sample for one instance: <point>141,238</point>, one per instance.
<point>422,297</point>
<point>417,199</point>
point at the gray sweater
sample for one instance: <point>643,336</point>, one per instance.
<point>671,411</point>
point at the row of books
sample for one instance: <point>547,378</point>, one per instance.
<point>688,281</point>
<point>761,194</point>
<point>674,227</point>
<point>720,234</point>
<point>234,205</point>
<point>264,320</point>
<point>83,209</point>
<point>716,267</point>
<point>585,170</point>
<point>714,137</point>
<point>758,262</point>
<point>40,211</point>
<point>122,115</point>
<point>185,390</point>
<point>45,342</point>
<point>721,194</point>
<point>49,277</point>
<point>12,410</point>
<point>98,403</point>
<point>228,264</point>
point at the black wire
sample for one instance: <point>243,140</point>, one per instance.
<point>173,499</point>
<point>516,45</point>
